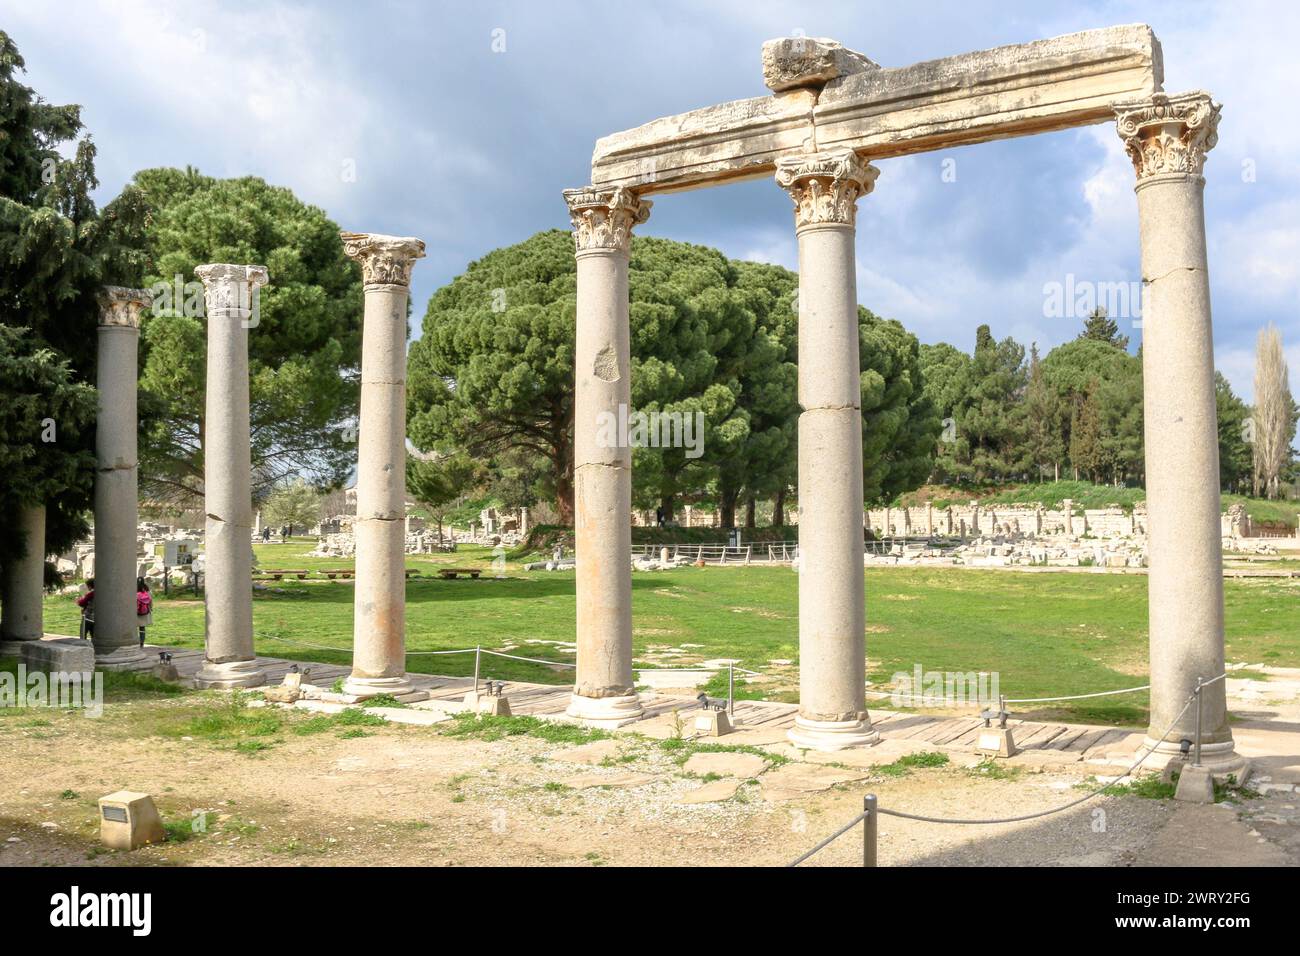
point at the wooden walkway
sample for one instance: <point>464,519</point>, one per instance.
<point>551,700</point>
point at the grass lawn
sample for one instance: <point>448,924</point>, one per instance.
<point>1045,634</point>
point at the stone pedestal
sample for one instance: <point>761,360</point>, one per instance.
<point>116,637</point>
<point>228,658</point>
<point>22,587</point>
<point>603,692</point>
<point>379,615</point>
<point>1167,138</point>
<point>832,644</point>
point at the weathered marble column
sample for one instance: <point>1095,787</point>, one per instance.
<point>832,639</point>
<point>379,602</point>
<point>1167,138</point>
<point>603,690</point>
<point>22,586</point>
<point>228,659</point>
<point>116,637</point>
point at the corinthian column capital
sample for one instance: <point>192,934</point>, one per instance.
<point>603,218</point>
<point>228,290</point>
<point>825,186</point>
<point>385,260</point>
<point>120,307</point>
<point>1169,134</point>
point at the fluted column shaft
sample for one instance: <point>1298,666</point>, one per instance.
<point>379,601</point>
<point>229,659</point>
<point>832,640</point>
<point>603,691</point>
<point>1167,138</point>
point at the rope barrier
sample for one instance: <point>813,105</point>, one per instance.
<point>348,650</point>
<point>530,660</point>
<point>1100,693</point>
<point>830,839</point>
<point>1017,819</point>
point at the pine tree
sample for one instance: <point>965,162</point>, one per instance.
<point>1100,327</point>
<point>56,251</point>
<point>1044,414</point>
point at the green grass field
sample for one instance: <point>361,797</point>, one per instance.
<point>1045,634</point>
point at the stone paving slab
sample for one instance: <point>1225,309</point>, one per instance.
<point>713,792</point>
<point>725,764</point>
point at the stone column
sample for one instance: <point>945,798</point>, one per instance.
<point>1167,138</point>
<point>1067,506</point>
<point>929,519</point>
<point>228,657</point>
<point>603,692</point>
<point>379,604</point>
<point>22,586</point>
<point>116,637</point>
<point>825,188</point>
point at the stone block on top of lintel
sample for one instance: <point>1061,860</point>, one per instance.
<point>1015,90</point>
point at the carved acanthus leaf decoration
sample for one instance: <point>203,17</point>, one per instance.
<point>385,260</point>
<point>603,218</point>
<point>121,307</point>
<point>1169,134</point>
<point>229,289</point>
<point>826,186</point>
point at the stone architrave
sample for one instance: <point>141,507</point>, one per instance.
<point>1167,138</point>
<point>839,99</point>
<point>231,302</point>
<point>825,188</point>
<point>116,636</point>
<point>379,602</point>
<point>603,692</point>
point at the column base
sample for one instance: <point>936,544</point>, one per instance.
<point>13,647</point>
<point>1221,759</point>
<point>605,712</point>
<point>229,675</point>
<point>826,735</point>
<point>374,686</point>
<point>129,657</point>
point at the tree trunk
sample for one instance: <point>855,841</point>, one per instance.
<point>666,503</point>
<point>727,509</point>
<point>564,499</point>
<point>749,512</point>
<point>778,509</point>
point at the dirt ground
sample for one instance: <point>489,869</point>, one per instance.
<point>410,795</point>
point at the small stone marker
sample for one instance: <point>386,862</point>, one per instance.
<point>1195,785</point>
<point>128,821</point>
<point>495,705</point>
<point>713,723</point>
<point>996,742</point>
<point>287,692</point>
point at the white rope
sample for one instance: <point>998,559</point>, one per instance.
<point>1018,819</point>
<point>1100,693</point>
<point>530,660</point>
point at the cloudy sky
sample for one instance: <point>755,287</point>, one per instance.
<point>467,145</point>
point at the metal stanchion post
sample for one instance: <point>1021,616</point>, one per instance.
<point>731,690</point>
<point>869,830</point>
<point>1196,751</point>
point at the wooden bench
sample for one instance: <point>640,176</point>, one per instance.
<point>450,574</point>
<point>333,573</point>
<point>412,572</point>
<point>278,573</point>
